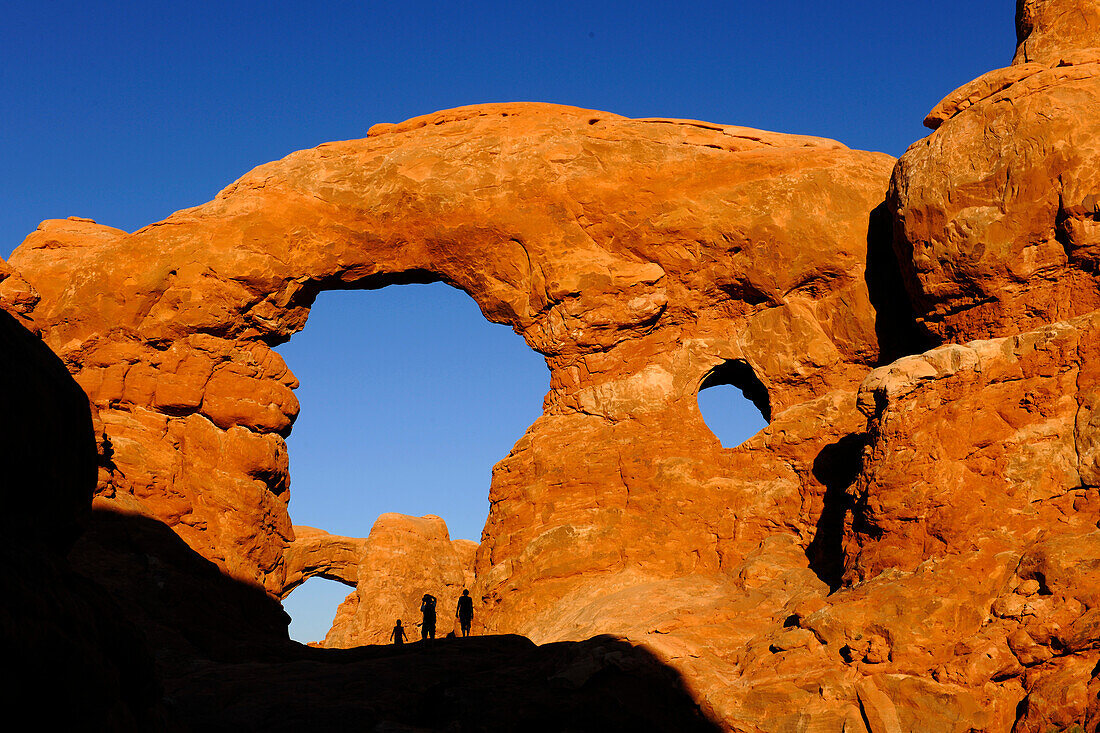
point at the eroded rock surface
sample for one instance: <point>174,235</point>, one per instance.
<point>997,215</point>
<point>1009,421</point>
<point>971,551</point>
<point>636,255</point>
<point>1048,29</point>
<point>403,558</point>
<point>970,546</point>
<point>316,553</point>
<point>972,542</point>
<point>928,563</point>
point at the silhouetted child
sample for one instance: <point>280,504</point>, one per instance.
<point>465,612</point>
<point>427,607</point>
<point>398,634</point>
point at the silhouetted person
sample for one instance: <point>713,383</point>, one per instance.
<point>398,634</point>
<point>465,612</point>
<point>427,607</point>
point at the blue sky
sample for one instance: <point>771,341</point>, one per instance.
<point>125,112</point>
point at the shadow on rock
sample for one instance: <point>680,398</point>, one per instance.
<point>896,327</point>
<point>73,662</point>
<point>489,683</point>
<point>181,600</point>
<point>836,466</point>
<point>225,662</point>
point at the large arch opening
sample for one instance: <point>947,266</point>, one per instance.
<point>734,403</point>
<point>408,397</point>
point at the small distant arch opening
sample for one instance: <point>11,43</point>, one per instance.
<point>312,608</point>
<point>734,403</point>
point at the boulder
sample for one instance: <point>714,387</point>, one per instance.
<point>996,212</point>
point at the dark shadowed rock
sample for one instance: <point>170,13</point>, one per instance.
<point>72,660</point>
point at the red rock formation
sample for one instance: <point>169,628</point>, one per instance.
<point>637,255</point>
<point>17,297</point>
<point>1047,29</point>
<point>402,559</point>
<point>315,553</point>
<point>391,570</point>
<point>634,291</point>
<point>970,547</point>
<point>996,212</point>
<point>46,433</point>
<point>980,472</point>
<point>640,256</point>
<point>1008,420</point>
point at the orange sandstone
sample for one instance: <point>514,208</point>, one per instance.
<point>637,255</point>
<point>909,545</point>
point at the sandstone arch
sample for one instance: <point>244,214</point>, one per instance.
<point>635,255</point>
<point>317,554</point>
<point>638,255</point>
<point>570,232</point>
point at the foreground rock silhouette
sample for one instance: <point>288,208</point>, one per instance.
<point>911,543</point>
<point>224,662</point>
<point>477,684</point>
<point>62,635</point>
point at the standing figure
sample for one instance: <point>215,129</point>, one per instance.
<point>427,607</point>
<point>465,612</point>
<point>398,634</point>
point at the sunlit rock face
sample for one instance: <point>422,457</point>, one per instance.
<point>1047,30</point>
<point>996,213</point>
<point>909,545</point>
<point>971,569</point>
<point>969,598</point>
<point>17,297</point>
<point>983,466</point>
<point>636,255</point>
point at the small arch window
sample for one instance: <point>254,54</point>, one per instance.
<point>734,403</point>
